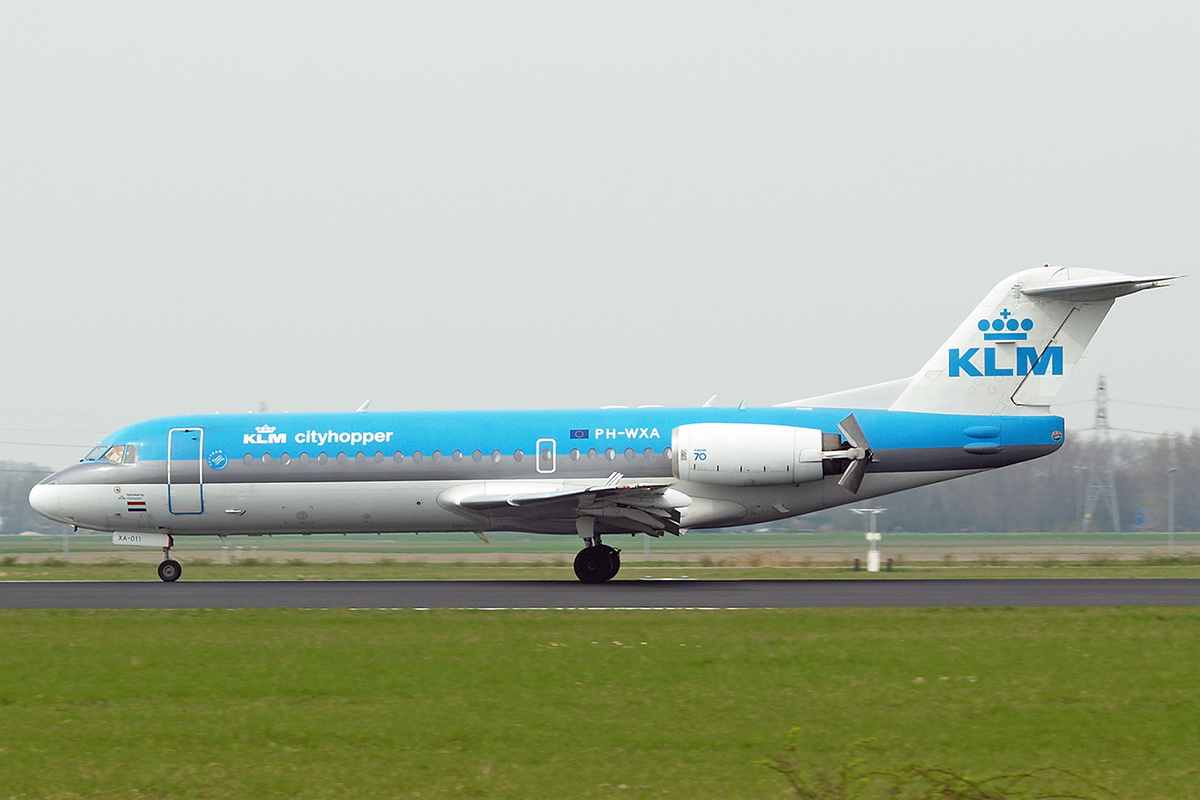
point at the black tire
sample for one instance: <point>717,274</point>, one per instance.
<point>597,564</point>
<point>593,565</point>
<point>169,570</point>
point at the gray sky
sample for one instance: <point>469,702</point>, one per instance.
<point>208,206</point>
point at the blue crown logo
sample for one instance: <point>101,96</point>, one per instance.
<point>1006,328</point>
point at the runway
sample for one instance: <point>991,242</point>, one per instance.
<point>617,594</point>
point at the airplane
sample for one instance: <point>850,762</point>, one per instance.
<point>982,401</point>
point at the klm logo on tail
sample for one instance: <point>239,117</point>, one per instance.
<point>1049,362</point>
<point>1005,329</point>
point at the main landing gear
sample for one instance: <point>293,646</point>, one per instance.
<point>169,570</point>
<point>597,562</point>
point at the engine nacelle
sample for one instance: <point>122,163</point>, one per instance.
<point>743,454</point>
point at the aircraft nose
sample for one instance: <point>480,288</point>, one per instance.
<point>44,499</point>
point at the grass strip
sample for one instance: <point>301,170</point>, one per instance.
<point>316,704</point>
<point>388,568</point>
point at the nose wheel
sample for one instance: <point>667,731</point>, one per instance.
<point>169,570</point>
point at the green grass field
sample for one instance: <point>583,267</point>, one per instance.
<point>925,546</point>
<point>282,703</point>
<point>707,554</point>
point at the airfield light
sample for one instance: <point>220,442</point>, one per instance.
<point>1171,511</point>
<point>872,537</point>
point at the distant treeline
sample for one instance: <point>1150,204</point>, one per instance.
<point>1046,494</point>
<point>15,514</point>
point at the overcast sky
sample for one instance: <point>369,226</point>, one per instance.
<point>213,206</point>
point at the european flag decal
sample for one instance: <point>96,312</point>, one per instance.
<point>580,433</point>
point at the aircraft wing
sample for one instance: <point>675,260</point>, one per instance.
<point>653,509</point>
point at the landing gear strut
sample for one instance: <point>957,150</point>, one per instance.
<point>169,570</point>
<point>597,562</point>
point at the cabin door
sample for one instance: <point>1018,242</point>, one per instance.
<point>185,484</point>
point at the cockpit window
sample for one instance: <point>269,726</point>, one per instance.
<point>114,454</point>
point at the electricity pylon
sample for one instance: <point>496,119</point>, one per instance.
<point>1100,485</point>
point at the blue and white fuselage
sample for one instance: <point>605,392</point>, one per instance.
<point>981,402</point>
<point>379,471</point>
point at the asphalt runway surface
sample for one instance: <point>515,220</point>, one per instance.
<point>649,594</point>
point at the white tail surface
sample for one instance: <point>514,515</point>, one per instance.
<point>1015,350</point>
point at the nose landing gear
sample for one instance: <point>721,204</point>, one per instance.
<point>169,570</point>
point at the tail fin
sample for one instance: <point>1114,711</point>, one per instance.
<point>1012,355</point>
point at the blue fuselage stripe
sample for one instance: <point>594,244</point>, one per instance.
<point>230,436</point>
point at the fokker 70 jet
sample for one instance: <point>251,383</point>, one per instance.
<point>981,401</point>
